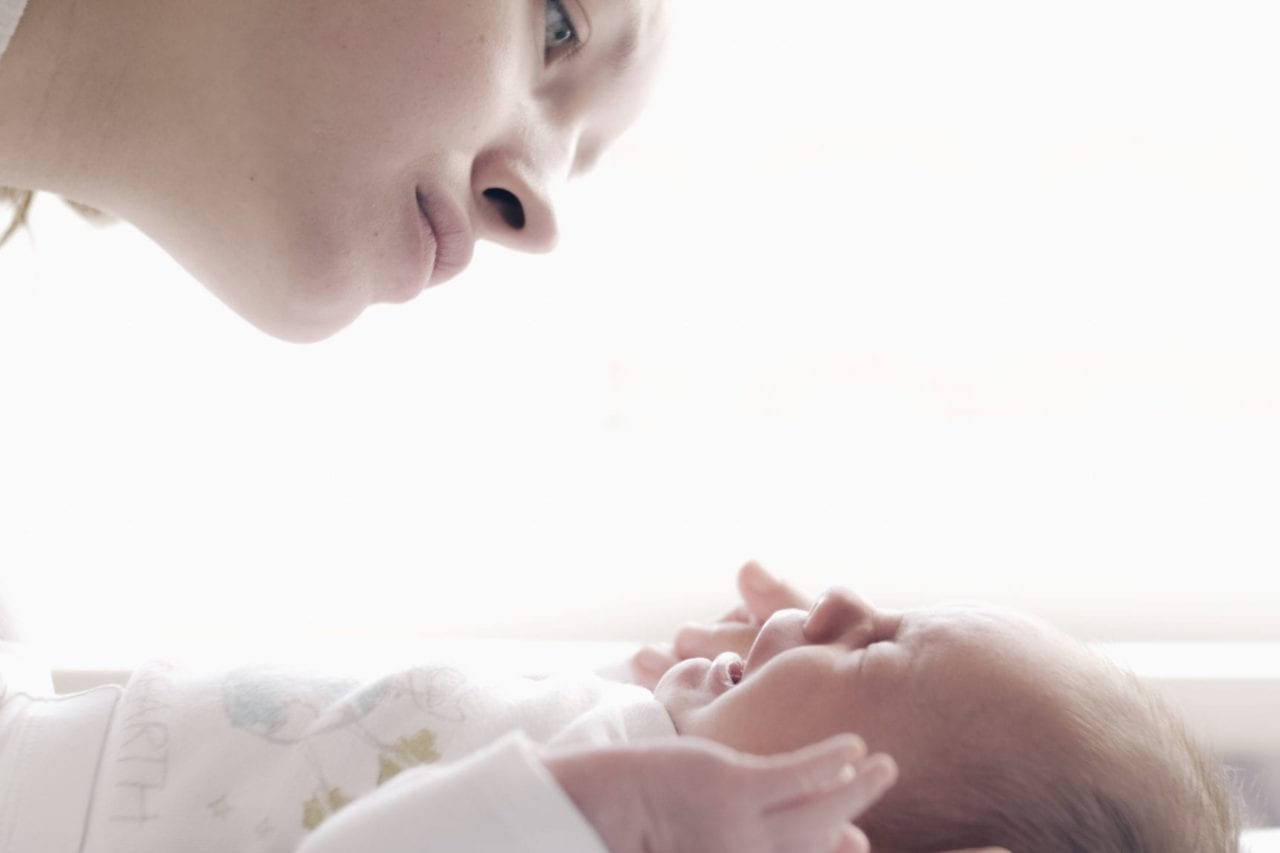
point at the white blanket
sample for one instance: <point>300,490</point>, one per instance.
<point>430,758</point>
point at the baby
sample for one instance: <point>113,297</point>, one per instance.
<point>438,757</point>
<point>1005,730</point>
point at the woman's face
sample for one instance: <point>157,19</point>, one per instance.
<point>337,154</point>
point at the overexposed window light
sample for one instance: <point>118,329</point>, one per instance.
<point>928,299</point>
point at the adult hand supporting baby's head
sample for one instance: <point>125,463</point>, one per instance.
<point>762,594</point>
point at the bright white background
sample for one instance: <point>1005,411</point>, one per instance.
<point>934,299</point>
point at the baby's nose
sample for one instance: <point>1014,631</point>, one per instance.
<point>838,612</point>
<point>781,631</point>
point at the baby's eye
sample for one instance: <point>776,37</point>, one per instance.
<point>560,29</point>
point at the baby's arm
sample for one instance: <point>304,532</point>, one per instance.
<point>497,799</point>
<point>671,795</point>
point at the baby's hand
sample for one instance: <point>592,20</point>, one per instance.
<point>695,795</point>
<point>762,595</point>
<point>703,802</point>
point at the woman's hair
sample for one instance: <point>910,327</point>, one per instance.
<point>20,203</point>
<point>1124,775</point>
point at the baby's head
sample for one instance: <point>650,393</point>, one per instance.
<point>1006,731</point>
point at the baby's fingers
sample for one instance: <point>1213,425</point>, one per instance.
<point>650,663</point>
<point>763,594</point>
<point>824,819</point>
<point>787,780</point>
<point>852,840</point>
<point>697,640</point>
<point>853,793</point>
<point>737,614</point>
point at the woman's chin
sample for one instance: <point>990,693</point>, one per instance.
<point>299,315</point>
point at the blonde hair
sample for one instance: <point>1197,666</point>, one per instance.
<point>1124,775</point>
<point>20,201</point>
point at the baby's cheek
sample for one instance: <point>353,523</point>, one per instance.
<point>686,675</point>
<point>735,719</point>
<point>786,719</point>
<point>681,691</point>
<point>685,707</point>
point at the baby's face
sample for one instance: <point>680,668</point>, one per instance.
<point>294,185</point>
<point>923,685</point>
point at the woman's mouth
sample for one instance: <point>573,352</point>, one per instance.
<point>449,233</point>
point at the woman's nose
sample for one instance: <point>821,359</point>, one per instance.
<point>513,207</point>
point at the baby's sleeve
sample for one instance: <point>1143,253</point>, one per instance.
<point>500,798</point>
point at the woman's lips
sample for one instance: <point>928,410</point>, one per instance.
<point>452,242</point>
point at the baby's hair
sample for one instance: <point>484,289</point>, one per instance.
<point>1124,776</point>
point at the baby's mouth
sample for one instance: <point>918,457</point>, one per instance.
<point>726,671</point>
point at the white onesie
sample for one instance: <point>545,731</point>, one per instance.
<point>260,759</point>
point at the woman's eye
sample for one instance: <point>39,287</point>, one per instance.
<point>560,31</point>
